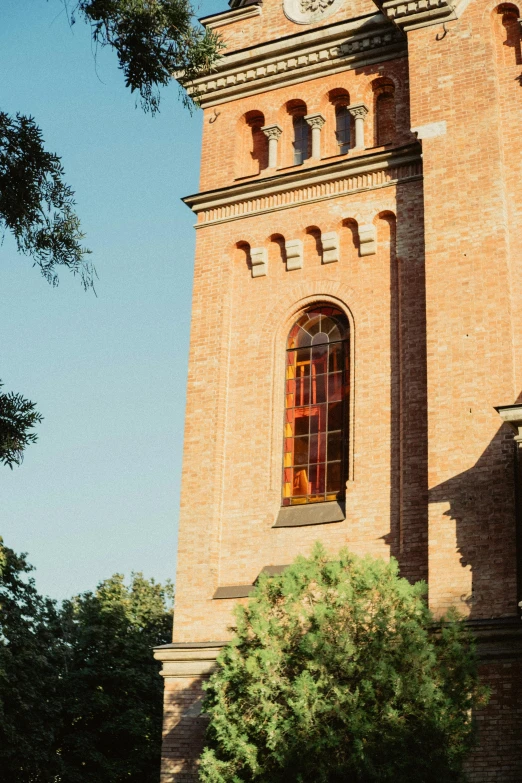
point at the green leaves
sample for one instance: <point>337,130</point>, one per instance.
<point>17,418</point>
<point>335,674</point>
<point>154,41</point>
<point>35,203</point>
<point>80,692</point>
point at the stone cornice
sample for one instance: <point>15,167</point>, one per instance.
<point>188,660</point>
<point>325,181</point>
<point>338,47</point>
<point>413,14</point>
<point>496,640</point>
<point>228,17</point>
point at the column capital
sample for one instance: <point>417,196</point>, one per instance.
<point>315,120</point>
<point>358,110</point>
<point>272,131</point>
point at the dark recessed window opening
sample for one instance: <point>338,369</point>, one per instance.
<point>342,128</point>
<point>301,136</point>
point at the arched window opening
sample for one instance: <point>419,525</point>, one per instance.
<point>301,139</point>
<point>259,143</point>
<point>342,128</point>
<point>509,16</point>
<point>252,145</point>
<point>316,408</point>
<point>385,124</point>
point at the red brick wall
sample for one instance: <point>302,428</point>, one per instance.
<point>183,730</point>
<point>498,757</point>
<point>273,24</point>
<point>436,328</point>
<point>472,263</point>
<point>223,138</point>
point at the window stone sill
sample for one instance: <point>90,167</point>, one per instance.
<point>311,514</point>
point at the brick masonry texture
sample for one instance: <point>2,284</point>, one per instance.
<point>436,329</point>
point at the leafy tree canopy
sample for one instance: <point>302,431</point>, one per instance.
<point>337,674</point>
<point>18,416</point>
<point>80,693</point>
<point>30,662</point>
<point>154,41</point>
<point>112,697</point>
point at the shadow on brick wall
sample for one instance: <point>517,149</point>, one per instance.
<point>482,505</point>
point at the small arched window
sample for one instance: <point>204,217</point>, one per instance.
<point>342,129</point>
<point>316,410</point>
<point>384,122</point>
<point>301,136</point>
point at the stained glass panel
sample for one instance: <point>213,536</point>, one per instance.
<point>315,446</point>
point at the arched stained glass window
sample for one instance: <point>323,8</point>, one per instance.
<point>316,410</point>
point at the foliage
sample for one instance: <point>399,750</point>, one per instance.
<point>30,657</point>
<point>336,674</point>
<point>112,699</point>
<point>35,203</point>
<point>154,40</point>
<point>80,693</point>
<point>17,417</point>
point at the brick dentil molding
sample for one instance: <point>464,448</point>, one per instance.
<point>339,47</point>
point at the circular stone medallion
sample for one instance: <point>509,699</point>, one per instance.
<point>309,11</point>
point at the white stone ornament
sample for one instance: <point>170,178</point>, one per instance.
<point>309,11</point>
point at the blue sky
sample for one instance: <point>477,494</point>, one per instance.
<point>99,492</point>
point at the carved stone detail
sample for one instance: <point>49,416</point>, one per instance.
<point>294,254</point>
<point>308,11</point>
<point>330,243</point>
<point>367,240</point>
<point>272,132</point>
<point>412,14</point>
<point>316,122</point>
<point>259,260</point>
<point>358,110</point>
<point>349,45</point>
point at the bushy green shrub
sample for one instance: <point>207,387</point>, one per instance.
<point>337,672</point>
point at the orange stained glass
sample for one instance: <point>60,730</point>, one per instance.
<point>316,407</point>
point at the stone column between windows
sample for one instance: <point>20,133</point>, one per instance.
<point>359,112</point>
<point>316,122</point>
<point>273,134</point>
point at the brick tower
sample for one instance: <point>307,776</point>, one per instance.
<point>357,319</point>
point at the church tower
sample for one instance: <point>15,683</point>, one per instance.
<point>355,361</point>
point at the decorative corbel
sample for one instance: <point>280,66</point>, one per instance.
<point>330,243</point>
<point>294,254</point>
<point>367,240</point>
<point>259,261</point>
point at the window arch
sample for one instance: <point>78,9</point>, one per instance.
<point>315,461</point>
<point>252,145</point>
<point>300,131</point>
<point>342,128</point>
<point>384,112</point>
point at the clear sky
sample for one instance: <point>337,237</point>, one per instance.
<point>99,492</point>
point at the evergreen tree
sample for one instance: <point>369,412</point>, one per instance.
<point>337,672</point>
